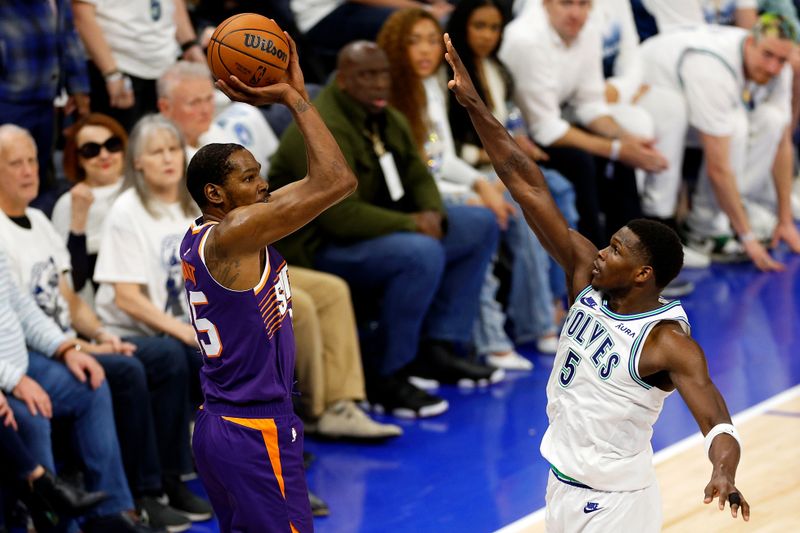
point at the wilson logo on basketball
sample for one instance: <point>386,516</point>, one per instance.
<point>265,45</point>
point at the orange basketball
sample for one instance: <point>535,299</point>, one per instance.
<point>251,47</point>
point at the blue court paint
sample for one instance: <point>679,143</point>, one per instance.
<point>477,467</point>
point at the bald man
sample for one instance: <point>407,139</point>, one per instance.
<point>394,238</point>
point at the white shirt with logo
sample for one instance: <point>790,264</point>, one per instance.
<point>38,257</point>
<point>601,411</point>
<point>138,247</point>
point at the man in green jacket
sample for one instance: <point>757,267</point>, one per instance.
<point>393,238</point>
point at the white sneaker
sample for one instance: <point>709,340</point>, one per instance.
<point>693,258</point>
<point>509,361</point>
<point>345,419</point>
<point>547,345</point>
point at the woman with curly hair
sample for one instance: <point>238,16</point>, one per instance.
<point>412,40</point>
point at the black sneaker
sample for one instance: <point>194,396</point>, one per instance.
<point>318,506</point>
<point>117,523</point>
<point>397,396</point>
<point>160,515</point>
<point>187,502</point>
<point>438,362</point>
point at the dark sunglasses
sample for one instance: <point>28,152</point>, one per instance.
<point>90,150</point>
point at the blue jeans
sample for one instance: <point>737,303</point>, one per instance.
<point>172,370</point>
<point>92,426</point>
<point>428,288</point>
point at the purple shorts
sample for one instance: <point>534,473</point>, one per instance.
<point>252,469</point>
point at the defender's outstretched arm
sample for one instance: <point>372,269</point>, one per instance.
<point>524,180</point>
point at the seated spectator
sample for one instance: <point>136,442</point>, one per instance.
<point>47,496</point>
<point>330,24</point>
<point>393,238</point>
<point>41,55</point>
<point>59,380</point>
<point>93,157</point>
<point>140,294</point>
<point>328,357</point>
<point>476,28</point>
<point>561,92</point>
<point>412,39</point>
<point>186,96</point>
<point>677,14</point>
<point>733,90</point>
<point>130,44</point>
<point>40,262</point>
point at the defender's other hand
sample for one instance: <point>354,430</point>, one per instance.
<point>722,486</point>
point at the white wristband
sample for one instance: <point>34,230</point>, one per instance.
<point>728,429</point>
<point>616,147</point>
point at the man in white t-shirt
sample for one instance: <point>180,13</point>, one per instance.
<point>733,89</point>
<point>186,96</point>
<point>560,89</point>
<point>139,375</point>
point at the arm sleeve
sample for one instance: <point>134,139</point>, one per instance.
<point>76,78</point>
<point>536,89</point>
<point>628,68</point>
<point>712,93</point>
<point>41,333</point>
<point>81,268</point>
<point>589,100</point>
<point>119,259</point>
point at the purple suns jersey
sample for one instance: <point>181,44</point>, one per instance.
<point>246,337</point>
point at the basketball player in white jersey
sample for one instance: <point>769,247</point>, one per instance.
<point>622,351</point>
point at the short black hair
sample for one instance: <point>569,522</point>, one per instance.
<point>211,164</point>
<point>660,247</point>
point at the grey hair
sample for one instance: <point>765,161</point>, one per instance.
<point>7,131</point>
<point>134,178</point>
<point>182,70</point>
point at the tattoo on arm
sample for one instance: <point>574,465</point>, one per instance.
<point>301,106</point>
<point>515,163</point>
<point>229,272</point>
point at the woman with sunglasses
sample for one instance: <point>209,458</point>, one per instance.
<point>93,157</point>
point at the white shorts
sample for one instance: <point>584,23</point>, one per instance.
<point>573,509</point>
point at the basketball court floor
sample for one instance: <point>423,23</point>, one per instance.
<point>477,468</point>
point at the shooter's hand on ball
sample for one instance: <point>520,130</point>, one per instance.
<point>281,92</point>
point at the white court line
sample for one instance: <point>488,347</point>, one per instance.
<point>672,450</point>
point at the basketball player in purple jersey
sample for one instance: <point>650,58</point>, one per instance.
<point>248,443</point>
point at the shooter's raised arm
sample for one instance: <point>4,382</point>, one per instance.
<point>524,180</point>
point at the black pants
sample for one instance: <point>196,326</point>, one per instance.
<point>604,203</point>
<point>145,98</point>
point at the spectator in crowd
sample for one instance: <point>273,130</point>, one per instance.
<point>40,262</point>
<point>732,87</point>
<point>140,294</point>
<point>476,28</point>
<point>45,494</point>
<point>57,379</point>
<point>130,44</point>
<point>585,143</point>
<point>393,237</point>
<point>330,24</point>
<point>93,156</point>
<point>41,56</point>
<point>329,370</point>
<point>186,96</point>
<point>412,40</point>
<point>677,14</point>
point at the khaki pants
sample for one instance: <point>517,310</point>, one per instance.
<point>328,361</point>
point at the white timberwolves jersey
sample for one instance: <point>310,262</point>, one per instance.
<point>601,412</point>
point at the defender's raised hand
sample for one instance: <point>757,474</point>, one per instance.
<point>291,82</point>
<point>461,84</point>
